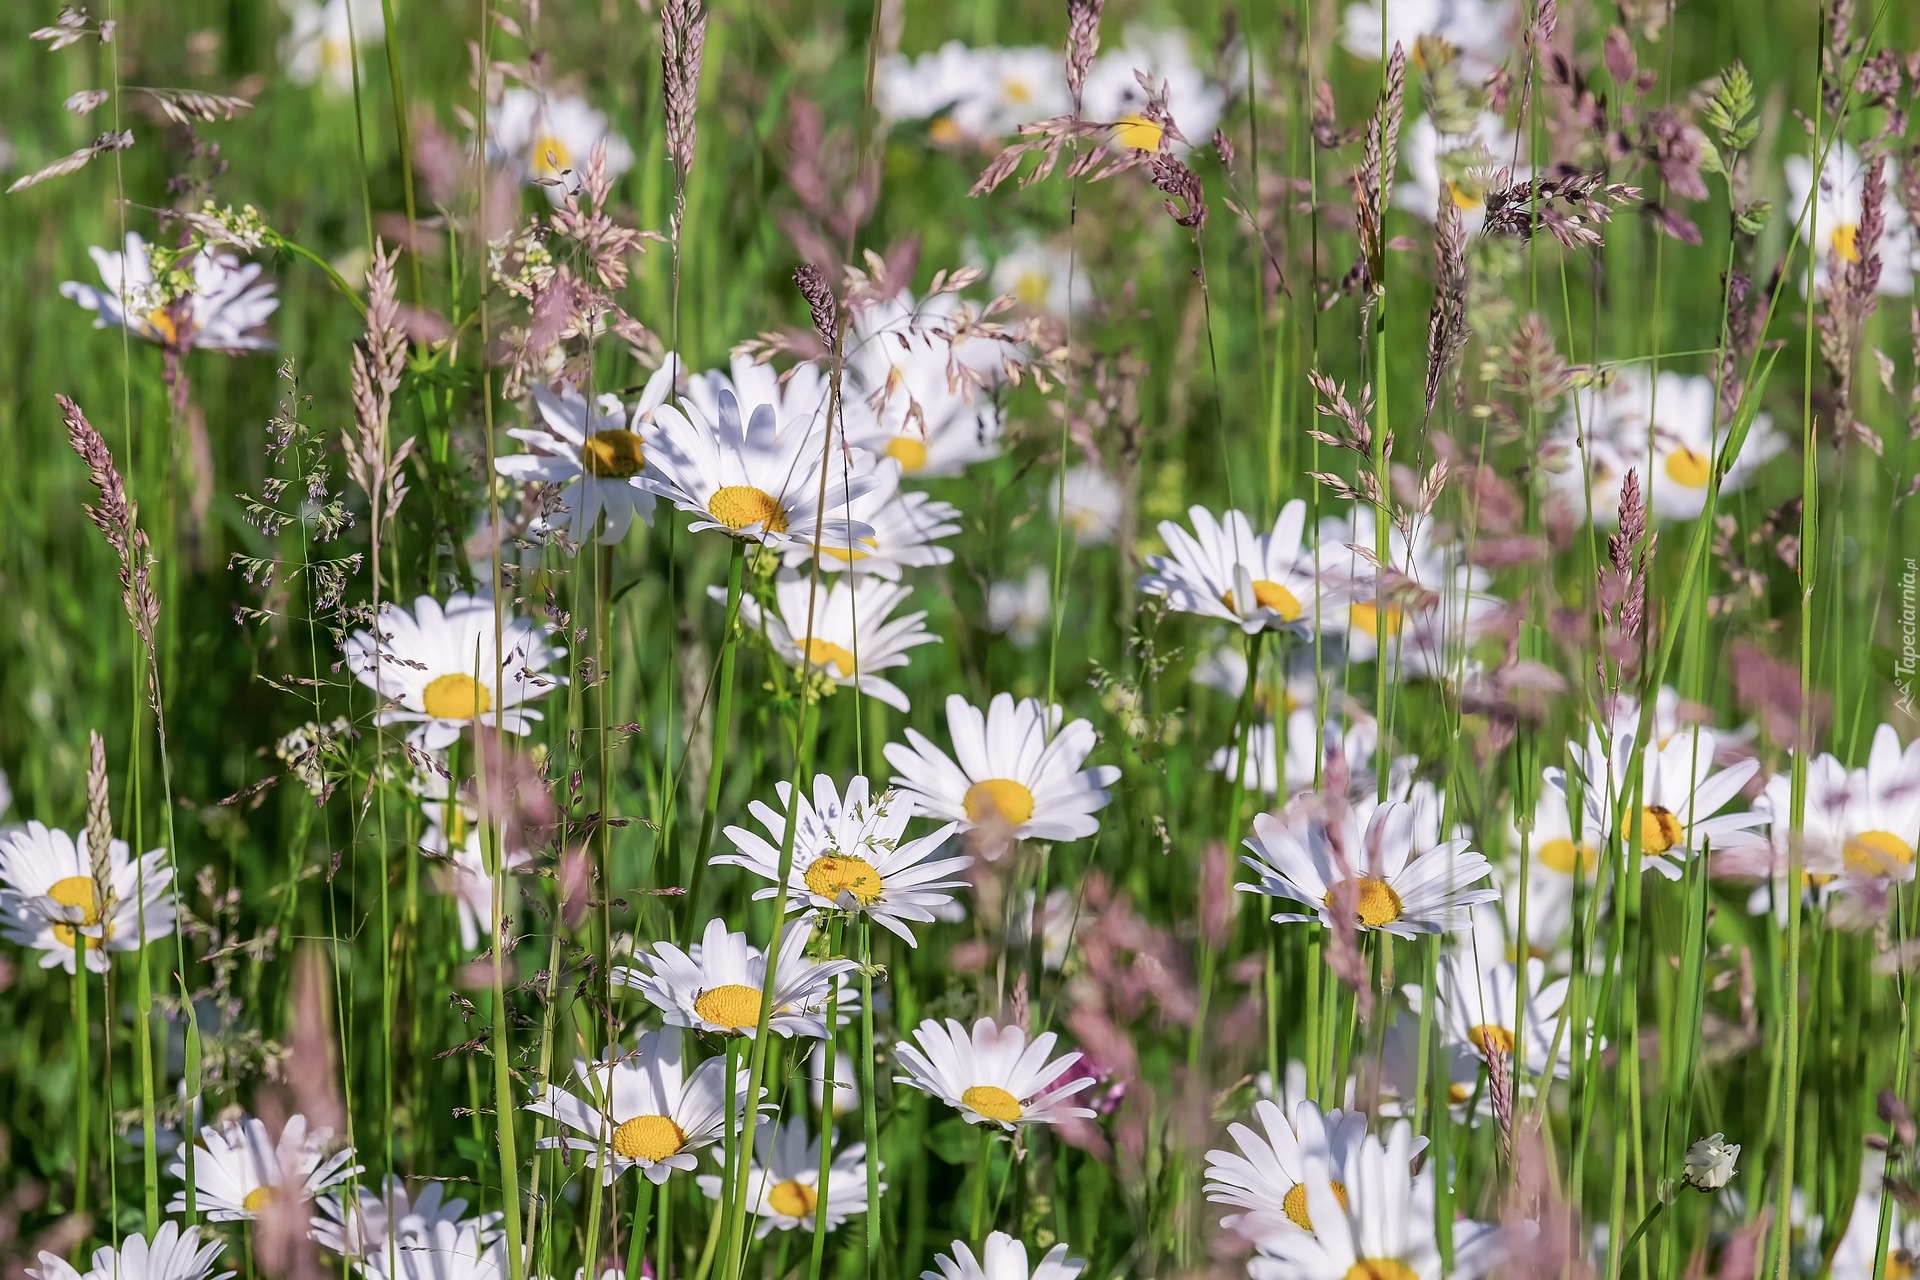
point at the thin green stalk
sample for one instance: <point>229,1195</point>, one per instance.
<point>828,1047</point>
<point>722,731</point>
<point>982,1170</point>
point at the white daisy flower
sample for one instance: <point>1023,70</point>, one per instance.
<point>543,137</point>
<point>225,310</point>
<point>1862,821</point>
<point>951,87</point>
<point>1058,918</point>
<point>1381,1229</point>
<point>1267,1177</point>
<point>1604,433</point>
<point>851,856</point>
<point>1461,165</point>
<point>1681,795</point>
<point>238,1169</point>
<point>717,986</point>
<point>591,454</point>
<point>642,1109</point>
<point>1389,874</point>
<point>365,1222</point>
<point>1401,1080</point>
<point>852,635</point>
<point>1833,227</point>
<point>1043,276</point>
<point>1477,1005</point>
<point>1258,582</point>
<point>326,37</point>
<point>905,524</point>
<point>783,1180</point>
<point>1020,609</point>
<point>1003,1258</point>
<point>800,395</point>
<point>175,1253</point>
<point>1018,770</point>
<point>441,1250</point>
<point>1860,1242</point>
<point>1113,92</point>
<point>992,1076</point>
<point>1092,505</point>
<point>1435,603</point>
<point>438,665</point>
<point>1561,863</point>
<point>471,887</point>
<point>747,473</point>
<point>917,387</point>
<point>48,900</point>
<point>1477,28</point>
<point>1309,746</point>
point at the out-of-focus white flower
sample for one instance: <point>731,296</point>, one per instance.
<point>1092,505</point>
<point>973,95</point>
<point>1463,166</point>
<point>1431,608</point>
<point>1833,228</point>
<point>224,310</point>
<point>919,387</point>
<point>1114,93</point>
<point>326,37</point>
<point>1003,1258</point>
<point>1042,275</point>
<point>545,137</point>
<point>1477,28</point>
<point>1020,608</point>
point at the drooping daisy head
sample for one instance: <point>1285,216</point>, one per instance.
<point>1462,166</point>
<point>851,854</point>
<point>783,1180</point>
<point>1382,1228</point>
<point>1003,1258</point>
<point>1681,793</point>
<point>239,1169</point>
<point>751,475</point>
<point>904,528</point>
<point>1477,1003</point>
<point>993,1075</point>
<point>1392,874</point>
<point>50,902</point>
<point>1016,771</point>
<point>325,37</point>
<point>919,382</point>
<point>642,1109</point>
<point>590,454</point>
<point>1223,569</point>
<point>1267,1176</point>
<point>440,666</point>
<point>1605,433</point>
<point>1831,229</point>
<point>174,1253</point>
<point>546,137</point>
<point>717,986</point>
<point>840,631</point>
<point>225,309</point>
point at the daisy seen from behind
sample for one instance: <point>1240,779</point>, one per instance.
<point>1389,875</point>
<point>239,1168</point>
<point>225,309</point>
<point>438,664</point>
<point>992,1075</point>
<point>642,1109</point>
<point>1003,1258</point>
<point>1223,569</point>
<point>1016,770</point>
<point>841,631</point>
<point>174,1253</point>
<point>851,854</point>
<point>49,901</point>
<point>783,1180</point>
<point>718,985</point>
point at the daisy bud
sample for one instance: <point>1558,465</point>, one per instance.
<point>1710,1162</point>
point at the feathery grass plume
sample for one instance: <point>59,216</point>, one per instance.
<point>1182,185</point>
<point>99,823</point>
<point>1852,294</point>
<point>1083,44</point>
<point>812,283</point>
<point>376,467</point>
<point>1373,186</point>
<point>1771,690</point>
<point>1447,331</point>
<point>74,161</point>
<point>683,38</point>
<point>72,26</point>
<point>1571,208</point>
<point>115,518</point>
<point>1623,587</point>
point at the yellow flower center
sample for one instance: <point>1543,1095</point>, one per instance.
<point>909,451</point>
<point>335,54</point>
<point>1271,595</point>
<point>1688,468</point>
<point>794,1199</point>
<point>612,454</point>
<point>1466,195</point>
<point>825,654</point>
<point>846,555</point>
<point>1489,1039</point>
<point>740,505</point>
<point>1373,901</point>
<point>733,1006</point>
<point>1017,91</point>
<point>1381,1269</point>
<point>1000,798</point>
<point>162,321</point>
<point>1458,1094</point>
<point>257,1200</point>
<point>993,1102</point>
<point>1366,617</point>
<point>1032,288</point>
<point>1138,132</point>
<point>1295,1203</point>
<point>1659,829</point>
<point>1846,242</point>
<point>77,892</point>
<point>455,697</point>
<point>549,157</point>
<point>649,1138</point>
<point>944,130</point>
<point>1877,853</point>
<point>1899,1265</point>
<point>1564,856</point>
<point>832,876</point>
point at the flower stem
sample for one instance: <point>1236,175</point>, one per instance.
<point>722,723</point>
<point>828,1047</point>
<point>983,1167</point>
